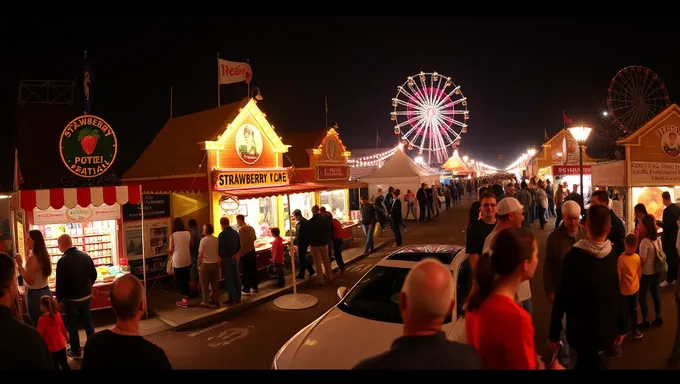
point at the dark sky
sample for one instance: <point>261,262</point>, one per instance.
<point>518,74</point>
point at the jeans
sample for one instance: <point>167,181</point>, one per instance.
<point>60,360</point>
<point>182,276</point>
<point>304,263</point>
<point>527,220</point>
<point>563,354</point>
<point>232,278</point>
<point>650,283</point>
<point>528,306</point>
<point>397,232</point>
<point>410,208</point>
<point>249,264</point>
<point>672,260</point>
<point>33,303</point>
<point>541,216</point>
<point>337,253</point>
<point>368,230</point>
<point>630,304</point>
<point>73,309</point>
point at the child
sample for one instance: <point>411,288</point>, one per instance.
<point>277,256</point>
<point>53,331</point>
<point>630,272</point>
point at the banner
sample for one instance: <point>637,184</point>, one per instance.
<point>224,180</point>
<point>229,72</point>
<point>155,206</point>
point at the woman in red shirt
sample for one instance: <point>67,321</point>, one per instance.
<point>52,329</point>
<point>277,256</point>
<point>499,328</point>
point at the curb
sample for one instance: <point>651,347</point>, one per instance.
<point>226,311</point>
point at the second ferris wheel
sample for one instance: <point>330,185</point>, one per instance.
<point>430,114</point>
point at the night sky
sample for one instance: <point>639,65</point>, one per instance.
<point>518,74</point>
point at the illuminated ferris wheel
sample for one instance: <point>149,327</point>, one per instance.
<point>431,114</point>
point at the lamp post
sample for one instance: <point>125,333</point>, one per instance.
<point>580,134</point>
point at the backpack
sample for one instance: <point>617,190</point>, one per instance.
<point>660,262</point>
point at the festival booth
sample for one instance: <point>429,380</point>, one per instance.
<point>324,162</point>
<point>457,167</point>
<point>401,172</point>
<point>237,162</point>
<point>559,162</point>
<point>651,165</point>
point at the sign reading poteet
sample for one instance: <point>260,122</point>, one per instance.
<point>88,146</point>
<point>223,179</point>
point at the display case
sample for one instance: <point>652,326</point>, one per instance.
<point>336,203</point>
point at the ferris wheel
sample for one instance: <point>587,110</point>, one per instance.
<point>430,114</point>
<point>635,95</point>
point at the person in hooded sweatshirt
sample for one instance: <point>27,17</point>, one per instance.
<point>588,295</point>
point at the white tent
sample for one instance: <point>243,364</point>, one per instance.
<point>399,171</point>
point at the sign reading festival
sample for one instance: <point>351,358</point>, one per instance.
<point>88,146</point>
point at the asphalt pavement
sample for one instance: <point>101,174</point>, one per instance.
<point>251,339</point>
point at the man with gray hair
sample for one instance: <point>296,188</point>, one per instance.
<point>560,241</point>
<point>426,299</point>
<point>122,343</point>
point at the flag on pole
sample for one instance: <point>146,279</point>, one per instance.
<point>545,135</point>
<point>18,179</point>
<point>87,85</point>
<point>567,119</point>
<point>229,72</point>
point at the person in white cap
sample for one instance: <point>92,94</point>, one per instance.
<point>510,215</point>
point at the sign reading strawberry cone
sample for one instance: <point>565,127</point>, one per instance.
<point>88,146</point>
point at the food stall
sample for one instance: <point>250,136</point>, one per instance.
<point>651,165</point>
<point>325,163</point>
<point>91,216</point>
<point>559,162</point>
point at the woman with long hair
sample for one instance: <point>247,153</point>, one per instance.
<point>180,257</point>
<point>640,212</point>
<point>36,273</point>
<point>499,328</point>
<point>650,246</point>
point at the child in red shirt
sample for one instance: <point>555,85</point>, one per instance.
<point>500,329</point>
<point>52,329</point>
<point>277,256</point>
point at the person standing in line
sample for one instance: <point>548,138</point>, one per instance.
<point>37,272</point>
<point>228,244</point>
<point>671,215</point>
<point>410,200</point>
<point>21,346</point>
<point>194,242</point>
<point>75,276</point>
<point>650,246</point>
<point>617,231</point>
<point>421,196</point>
<point>559,199</point>
<point>329,220</point>
<point>630,272</point>
<point>541,203</point>
<point>301,241</point>
<point>123,344</point>
<point>319,237</point>
<point>589,295</point>
<point>338,243</point>
<point>560,241</point>
<point>52,329</point>
<point>551,201</point>
<point>277,257</point>
<point>179,249</point>
<point>247,255</point>
<point>478,231</point>
<point>395,216</point>
<point>426,299</point>
<point>209,267</point>
<point>368,220</point>
<point>525,199</point>
<point>433,198</point>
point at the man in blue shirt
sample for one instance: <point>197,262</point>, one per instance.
<point>228,246</point>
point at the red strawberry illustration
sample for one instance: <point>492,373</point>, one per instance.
<point>88,138</point>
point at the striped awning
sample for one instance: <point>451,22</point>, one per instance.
<point>70,197</point>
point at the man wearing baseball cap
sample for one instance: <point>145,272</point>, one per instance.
<point>510,215</point>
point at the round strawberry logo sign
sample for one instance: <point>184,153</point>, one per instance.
<point>88,146</point>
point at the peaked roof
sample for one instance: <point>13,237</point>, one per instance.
<point>455,163</point>
<point>176,149</point>
<point>398,165</point>
<point>634,138</point>
<point>301,142</point>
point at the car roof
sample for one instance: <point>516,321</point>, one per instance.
<point>410,255</point>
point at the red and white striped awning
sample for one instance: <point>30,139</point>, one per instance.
<point>70,197</point>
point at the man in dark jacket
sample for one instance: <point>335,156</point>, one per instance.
<point>228,244</point>
<point>301,240</point>
<point>671,215</point>
<point>319,237</point>
<point>421,196</point>
<point>75,276</point>
<point>368,220</point>
<point>21,346</point>
<point>617,232</point>
<point>395,216</point>
<point>589,295</point>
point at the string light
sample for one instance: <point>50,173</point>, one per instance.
<point>373,160</point>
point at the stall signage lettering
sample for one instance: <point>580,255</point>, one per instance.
<point>76,214</point>
<point>155,206</point>
<point>332,172</point>
<point>645,172</point>
<point>240,179</point>
<point>562,170</point>
<point>88,146</point>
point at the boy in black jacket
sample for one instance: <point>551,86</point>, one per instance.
<point>589,295</point>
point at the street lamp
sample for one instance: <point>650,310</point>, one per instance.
<point>581,135</point>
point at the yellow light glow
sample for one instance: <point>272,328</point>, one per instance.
<point>253,111</point>
<point>316,151</point>
<point>347,154</point>
<point>213,145</point>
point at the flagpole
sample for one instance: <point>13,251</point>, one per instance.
<point>326,103</point>
<point>218,79</point>
<point>85,62</point>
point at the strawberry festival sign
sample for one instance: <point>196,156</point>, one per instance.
<point>88,146</point>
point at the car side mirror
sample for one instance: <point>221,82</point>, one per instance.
<point>342,291</point>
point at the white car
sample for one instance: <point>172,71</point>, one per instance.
<point>367,319</point>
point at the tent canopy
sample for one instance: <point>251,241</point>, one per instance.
<point>456,164</point>
<point>399,165</point>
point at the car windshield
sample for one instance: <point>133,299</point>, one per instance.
<point>376,296</point>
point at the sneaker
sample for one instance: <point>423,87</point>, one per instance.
<point>254,290</point>
<point>664,284</point>
<point>637,334</point>
<point>244,292</point>
<point>182,303</point>
<point>658,322</point>
<point>644,326</point>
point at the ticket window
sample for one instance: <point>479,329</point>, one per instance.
<point>261,214</point>
<point>302,201</point>
<point>336,203</point>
